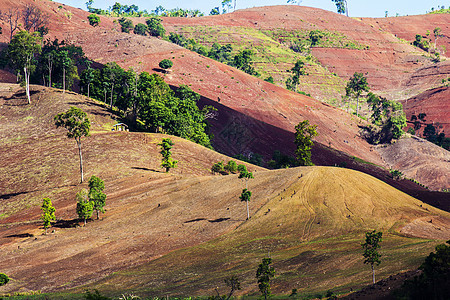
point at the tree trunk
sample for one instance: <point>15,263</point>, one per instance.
<point>88,88</point>
<point>64,80</point>
<point>111,103</point>
<point>248,213</point>
<point>97,214</point>
<point>357,105</point>
<point>346,8</point>
<point>27,84</point>
<point>85,222</point>
<point>81,159</point>
<point>373,274</point>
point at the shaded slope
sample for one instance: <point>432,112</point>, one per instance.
<point>311,228</point>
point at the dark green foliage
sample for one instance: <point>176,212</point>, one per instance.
<point>167,162</point>
<point>215,11</point>
<point>48,213</point>
<point>315,36</point>
<point>155,28</point>
<point>96,195</point>
<point>77,124</point>
<point>388,117</point>
<point>396,174</point>
<point>140,29</point>
<point>434,282</point>
<point>371,246</point>
<point>263,274</point>
<point>411,131</point>
<point>243,61</point>
<point>297,71</point>
<point>126,25</point>
<point>165,64</point>
<point>218,168</point>
<point>355,87</point>
<point>421,43</point>
<point>94,296</point>
<point>231,167</point>
<point>4,279</point>
<point>94,20</point>
<point>433,134</point>
<point>85,207</point>
<point>280,160</point>
<point>341,6</point>
<point>269,79</point>
<point>304,133</point>
<point>220,53</point>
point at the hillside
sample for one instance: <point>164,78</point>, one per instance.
<point>154,218</point>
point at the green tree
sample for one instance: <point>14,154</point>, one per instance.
<point>437,34</point>
<point>244,174</point>
<point>231,167</point>
<point>297,71</point>
<point>85,207</point>
<point>21,53</point>
<point>218,167</point>
<point>96,195</point>
<point>341,6</point>
<point>155,28</point>
<point>243,61</point>
<point>263,274</point>
<point>87,77</point>
<point>140,29</point>
<point>304,133</point>
<point>48,213</point>
<point>94,20</point>
<point>165,64</point>
<point>126,25</point>
<point>371,246</point>
<point>167,161</point>
<point>215,11</point>
<point>4,279</point>
<point>355,87</point>
<point>77,124</point>
<point>245,196</point>
<point>315,36</point>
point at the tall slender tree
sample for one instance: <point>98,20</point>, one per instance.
<point>96,195</point>
<point>21,53</point>
<point>371,246</point>
<point>77,124</point>
<point>245,196</point>
<point>341,6</point>
<point>304,133</point>
<point>167,161</point>
<point>263,274</point>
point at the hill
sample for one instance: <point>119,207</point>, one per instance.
<point>154,218</point>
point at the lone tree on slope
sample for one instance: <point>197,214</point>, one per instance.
<point>304,133</point>
<point>77,124</point>
<point>167,161</point>
<point>245,196</point>
<point>263,274</point>
<point>96,195</point>
<point>341,6</point>
<point>48,213</point>
<point>20,55</point>
<point>371,246</point>
<point>165,64</point>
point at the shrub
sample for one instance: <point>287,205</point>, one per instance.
<point>4,279</point>
<point>94,20</point>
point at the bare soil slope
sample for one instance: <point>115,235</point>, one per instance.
<point>150,214</point>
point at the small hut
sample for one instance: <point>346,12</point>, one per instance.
<point>120,127</point>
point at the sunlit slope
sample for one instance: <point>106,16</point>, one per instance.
<point>312,228</point>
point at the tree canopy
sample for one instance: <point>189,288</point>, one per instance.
<point>304,133</point>
<point>371,246</point>
<point>77,124</point>
<point>48,213</point>
<point>167,162</point>
<point>263,274</point>
<point>355,87</point>
<point>96,195</point>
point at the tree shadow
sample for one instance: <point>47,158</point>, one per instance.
<point>147,169</point>
<point>20,235</point>
<point>67,223</point>
<point>8,196</point>
<point>218,220</point>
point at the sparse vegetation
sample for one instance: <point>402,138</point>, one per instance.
<point>263,274</point>
<point>4,279</point>
<point>94,20</point>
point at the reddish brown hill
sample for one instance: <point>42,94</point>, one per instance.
<point>435,103</point>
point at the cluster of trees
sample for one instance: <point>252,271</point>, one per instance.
<point>297,71</point>
<point>153,26</point>
<point>424,42</point>
<point>148,98</point>
<point>87,202</point>
<point>432,132</point>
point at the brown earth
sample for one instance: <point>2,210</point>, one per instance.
<point>435,103</point>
